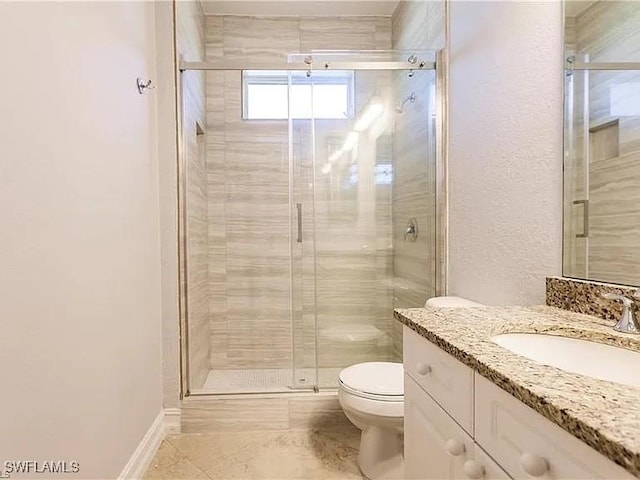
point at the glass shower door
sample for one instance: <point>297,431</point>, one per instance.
<point>301,194</point>
<point>576,176</point>
<point>361,149</point>
<point>291,258</point>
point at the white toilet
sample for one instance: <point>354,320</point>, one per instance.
<point>372,397</point>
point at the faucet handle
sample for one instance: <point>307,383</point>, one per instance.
<point>627,322</point>
<point>626,302</point>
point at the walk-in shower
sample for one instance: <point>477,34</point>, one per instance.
<point>297,182</point>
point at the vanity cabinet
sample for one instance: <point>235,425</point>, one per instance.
<point>459,425</point>
<point>436,447</point>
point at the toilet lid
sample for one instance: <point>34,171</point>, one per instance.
<point>377,378</point>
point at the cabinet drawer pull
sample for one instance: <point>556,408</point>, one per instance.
<point>473,469</point>
<point>455,447</point>
<point>423,368</point>
<point>533,464</point>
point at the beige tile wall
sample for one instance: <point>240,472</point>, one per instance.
<point>201,414</point>
<point>607,31</point>
<point>419,26</point>
<point>248,210</point>
<point>190,39</point>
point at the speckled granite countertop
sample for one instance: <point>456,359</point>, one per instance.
<point>604,415</point>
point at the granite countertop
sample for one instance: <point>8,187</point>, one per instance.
<point>604,415</point>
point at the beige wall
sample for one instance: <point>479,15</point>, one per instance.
<point>416,26</point>
<point>80,249</point>
<point>606,31</point>
<point>505,150</point>
<point>248,188</point>
<point>190,27</point>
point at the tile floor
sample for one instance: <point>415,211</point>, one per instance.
<point>327,453</point>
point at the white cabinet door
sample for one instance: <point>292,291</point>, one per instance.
<point>527,445</point>
<point>436,447</point>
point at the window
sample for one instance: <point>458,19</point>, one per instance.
<point>266,95</point>
<point>383,174</point>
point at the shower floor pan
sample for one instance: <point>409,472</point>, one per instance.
<point>266,380</point>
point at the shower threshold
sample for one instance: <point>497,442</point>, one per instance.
<point>273,380</point>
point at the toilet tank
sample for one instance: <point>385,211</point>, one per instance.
<point>451,302</point>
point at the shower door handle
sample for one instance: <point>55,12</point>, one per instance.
<point>585,221</point>
<point>299,209</point>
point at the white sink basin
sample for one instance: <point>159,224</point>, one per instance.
<point>592,359</point>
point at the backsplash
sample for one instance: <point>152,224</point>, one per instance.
<point>584,296</point>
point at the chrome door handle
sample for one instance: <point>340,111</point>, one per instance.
<point>585,221</point>
<point>299,209</point>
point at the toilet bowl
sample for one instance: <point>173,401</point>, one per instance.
<point>372,397</point>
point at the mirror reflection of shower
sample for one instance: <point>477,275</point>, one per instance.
<point>410,99</point>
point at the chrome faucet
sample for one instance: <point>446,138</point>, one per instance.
<point>627,323</point>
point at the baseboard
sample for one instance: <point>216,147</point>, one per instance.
<point>166,423</point>
<point>172,421</point>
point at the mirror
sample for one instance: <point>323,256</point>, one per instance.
<point>602,141</point>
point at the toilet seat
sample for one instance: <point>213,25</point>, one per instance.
<point>381,381</point>
<point>370,406</point>
<point>372,396</point>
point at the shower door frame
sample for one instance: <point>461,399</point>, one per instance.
<point>441,181</point>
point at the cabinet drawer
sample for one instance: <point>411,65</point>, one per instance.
<point>521,440</point>
<point>446,379</point>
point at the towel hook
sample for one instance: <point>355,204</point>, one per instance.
<point>142,86</point>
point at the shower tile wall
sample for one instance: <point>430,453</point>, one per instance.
<point>248,203</point>
<point>416,26</point>
<point>190,39</point>
<point>614,156</point>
